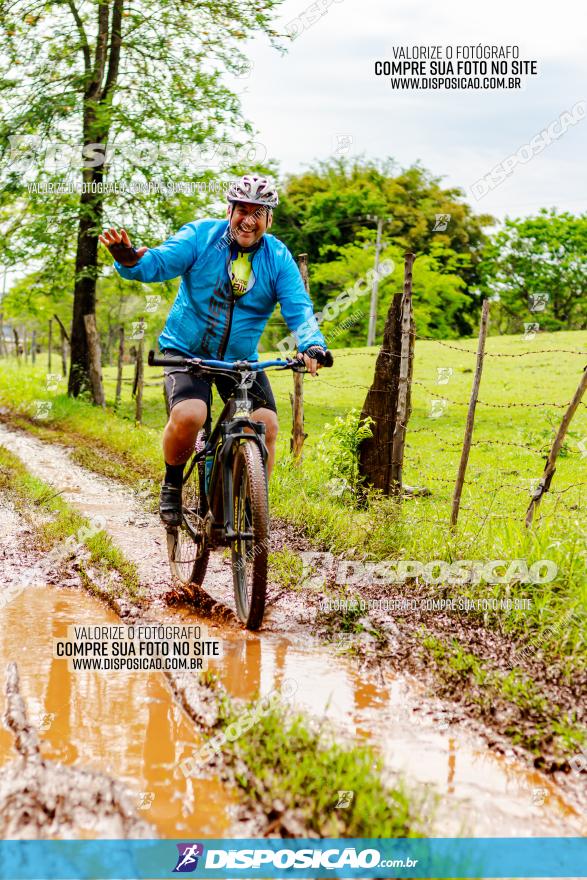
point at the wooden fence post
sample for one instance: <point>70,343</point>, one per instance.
<point>3,347</point>
<point>404,406</point>
<point>49,342</point>
<point>95,359</point>
<point>63,354</point>
<point>139,382</point>
<point>119,368</point>
<point>297,398</point>
<point>550,468</point>
<point>64,340</point>
<point>456,500</point>
<point>16,344</point>
<point>140,328</point>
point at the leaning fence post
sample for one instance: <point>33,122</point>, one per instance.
<point>549,469</point>
<point>64,339</point>
<point>297,398</point>
<point>139,381</point>
<point>405,379</point>
<point>456,500</point>
<point>119,369</point>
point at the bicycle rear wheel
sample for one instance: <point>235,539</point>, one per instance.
<point>251,515</point>
<point>186,546</point>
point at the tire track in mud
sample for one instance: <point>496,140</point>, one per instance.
<point>484,795</point>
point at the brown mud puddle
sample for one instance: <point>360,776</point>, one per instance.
<point>482,793</point>
<point>124,725</point>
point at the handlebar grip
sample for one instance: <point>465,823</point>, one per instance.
<point>166,361</point>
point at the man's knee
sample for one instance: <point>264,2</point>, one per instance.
<point>271,424</point>
<point>188,416</point>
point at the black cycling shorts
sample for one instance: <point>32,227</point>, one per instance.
<point>181,385</point>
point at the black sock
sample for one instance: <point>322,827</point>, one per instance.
<point>174,474</point>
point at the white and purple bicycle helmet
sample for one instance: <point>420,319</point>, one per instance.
<point>253,189</point>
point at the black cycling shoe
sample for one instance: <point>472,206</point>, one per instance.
<point>170,505</point>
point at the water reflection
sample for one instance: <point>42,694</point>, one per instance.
<point>122,724</point>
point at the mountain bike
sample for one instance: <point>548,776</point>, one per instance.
<point>225,497</point>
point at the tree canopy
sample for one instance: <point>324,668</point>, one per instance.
<point>536,268</point>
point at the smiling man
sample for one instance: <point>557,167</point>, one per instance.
<point>233,274</point>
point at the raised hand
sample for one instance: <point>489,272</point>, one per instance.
<point>118,243</point>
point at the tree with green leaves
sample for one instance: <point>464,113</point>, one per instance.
<point>438,294</point>
<point>336,204</point>
<point>537,270</point>
<point>102,98</point>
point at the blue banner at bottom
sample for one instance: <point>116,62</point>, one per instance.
<point>296,858</point>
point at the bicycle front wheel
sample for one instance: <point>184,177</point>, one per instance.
<point>251,516</point>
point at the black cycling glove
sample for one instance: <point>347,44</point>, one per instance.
<point>126,256</point>
<point>316,352</point>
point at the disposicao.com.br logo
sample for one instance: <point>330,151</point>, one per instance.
<point>330,859</point>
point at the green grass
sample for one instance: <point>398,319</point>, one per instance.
<point>286,757</point>
<point>488,687</point>
<point>522,399</point>
<point>287,568</point>
<point>54,522</point>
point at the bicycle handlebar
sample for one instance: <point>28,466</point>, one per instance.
<point>251,366</point>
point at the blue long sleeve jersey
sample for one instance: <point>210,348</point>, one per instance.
<point>207,319</point>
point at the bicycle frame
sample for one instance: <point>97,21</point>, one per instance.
<point>229,428</point>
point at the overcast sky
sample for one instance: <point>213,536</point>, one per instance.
<point>325,87</point>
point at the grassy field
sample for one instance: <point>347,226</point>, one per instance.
<point>525,388</point>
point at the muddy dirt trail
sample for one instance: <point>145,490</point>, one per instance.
<point>480,792</point>
<point>83,754</point>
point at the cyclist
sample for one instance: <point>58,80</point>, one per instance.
<point>233,274</point>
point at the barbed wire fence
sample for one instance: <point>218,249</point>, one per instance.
<point>489,490</point>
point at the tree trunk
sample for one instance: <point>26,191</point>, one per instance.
<point>381,404</point>
<point>84,293</point>
<point>406,367</point>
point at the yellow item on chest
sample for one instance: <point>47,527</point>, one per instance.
<point>240,272</point>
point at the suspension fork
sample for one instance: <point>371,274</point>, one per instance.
<point>226,456</point>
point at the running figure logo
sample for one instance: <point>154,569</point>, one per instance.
<point>187,860</point>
